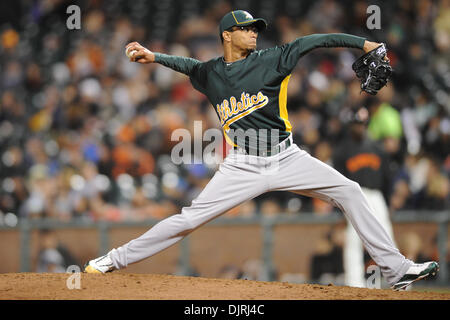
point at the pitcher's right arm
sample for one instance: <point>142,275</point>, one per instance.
<point>193,68</point>
<point>176,63</point>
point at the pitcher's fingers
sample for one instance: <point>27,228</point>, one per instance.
<point>132,44</point>
<point>139,54</point>
<point>132,48</point>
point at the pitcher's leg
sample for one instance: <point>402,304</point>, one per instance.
<point>229,187</point>
<point>161,236</point>
<point>306,175</point>
<point>353,249</point>
<point>351,200</point>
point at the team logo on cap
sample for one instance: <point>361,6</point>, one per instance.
<point>248,15</point>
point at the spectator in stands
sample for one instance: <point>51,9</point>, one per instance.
<point>327,260</point>
<point>53,257</point>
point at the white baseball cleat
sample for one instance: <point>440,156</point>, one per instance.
<point>102,264</point>
<point>416,272</point>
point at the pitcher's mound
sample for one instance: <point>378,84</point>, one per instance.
<point>123,286</point>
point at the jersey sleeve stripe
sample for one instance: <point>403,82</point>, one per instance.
<point>282,101</point>
<point>228,140</point>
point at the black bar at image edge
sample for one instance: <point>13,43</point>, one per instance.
<point>218,309</point>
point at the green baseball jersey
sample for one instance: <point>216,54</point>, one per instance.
<point>250,95</point>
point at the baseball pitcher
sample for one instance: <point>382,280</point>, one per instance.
<point>248,90</point>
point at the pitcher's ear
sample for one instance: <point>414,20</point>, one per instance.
<point>226,36</point>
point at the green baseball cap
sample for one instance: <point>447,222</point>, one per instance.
<point>241,18</point>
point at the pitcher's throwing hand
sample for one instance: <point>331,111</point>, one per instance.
<point>138,53</point>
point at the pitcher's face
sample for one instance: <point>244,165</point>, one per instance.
<point>244,37</point>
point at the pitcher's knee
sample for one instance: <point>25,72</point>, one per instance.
<point>189,221</point>
<point>349,191</point>
<point>176,225</point>
<point>354,187</point>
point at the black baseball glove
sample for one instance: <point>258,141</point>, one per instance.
<point>373,70</point>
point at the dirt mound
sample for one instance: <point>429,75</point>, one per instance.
<point>125,286</point>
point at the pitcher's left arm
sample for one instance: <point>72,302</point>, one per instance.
<point>284,58</point>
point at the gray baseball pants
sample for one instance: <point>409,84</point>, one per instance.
<point>242,177</point>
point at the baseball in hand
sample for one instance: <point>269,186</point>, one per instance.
<point>129,52</point>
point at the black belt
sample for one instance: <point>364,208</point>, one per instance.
<point>267,153</point>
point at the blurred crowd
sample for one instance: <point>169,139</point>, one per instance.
<point>86,134</point>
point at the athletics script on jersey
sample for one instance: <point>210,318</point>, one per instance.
<point>231,110</point>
